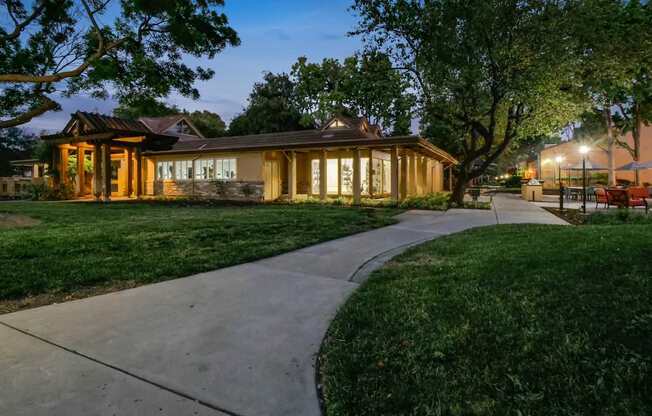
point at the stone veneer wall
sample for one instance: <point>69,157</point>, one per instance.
<point>229,190</point>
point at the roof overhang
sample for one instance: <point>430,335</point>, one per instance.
<point>412,142</point>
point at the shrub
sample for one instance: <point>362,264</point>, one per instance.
<point>43,192</point>
<point>619,216</point>
<point>437,201</point>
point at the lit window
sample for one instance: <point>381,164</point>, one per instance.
<point>346,176</point>
<point>205,169</point>
<point>183,169</point>
<point>225,169</point>
<point>165,170</point>
<point>331,181</point>
<point>315,176</point>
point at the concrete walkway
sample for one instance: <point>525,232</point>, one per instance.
<point>236,341</point>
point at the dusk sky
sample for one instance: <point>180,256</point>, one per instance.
<point>274,34</point>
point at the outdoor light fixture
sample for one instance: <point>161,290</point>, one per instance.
<point>584,149</point>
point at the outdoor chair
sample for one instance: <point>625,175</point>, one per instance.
<point>601,197</point>
<point>637,197</point>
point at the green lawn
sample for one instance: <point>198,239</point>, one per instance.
<point>77,245</point>
<point>504,320</point>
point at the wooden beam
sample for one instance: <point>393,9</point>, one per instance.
<point>292,175</point>
<point>357,186</point>
<point>323,177</point>
<point>106,171</point>
<point>394,173</point>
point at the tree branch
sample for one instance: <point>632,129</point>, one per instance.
<point>46,105</point>
<point>20,26</point>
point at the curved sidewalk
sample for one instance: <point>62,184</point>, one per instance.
<point>235,341</point>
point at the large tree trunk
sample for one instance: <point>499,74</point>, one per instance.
<point>459,186</point>
<point>636,136</point>
<point>611,146</point>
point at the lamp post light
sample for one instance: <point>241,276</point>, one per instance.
<point>559,159</point>
<point>584,150</point>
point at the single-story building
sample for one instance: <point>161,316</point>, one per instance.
<point>168,156</point>
<point>26,172</point>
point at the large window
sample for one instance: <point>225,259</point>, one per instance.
<point>166,170</point>
<point>183,169</point>
<point>346,176</point>
<point>387,176</point>
<point>204,169</point>
<point>225,169</point>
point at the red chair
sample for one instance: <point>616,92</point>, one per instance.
<point>637,197</point>
<point>601,197</point>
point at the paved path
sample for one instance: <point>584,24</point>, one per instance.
<point>236,341</point>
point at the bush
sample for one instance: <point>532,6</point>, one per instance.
<point>512,182</point>
<point>437,201</point>
<point>619,216</point>
<point>43,192</point>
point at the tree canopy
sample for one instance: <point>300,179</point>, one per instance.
<point>129,48</point>
<point>486,73</point>
<point>209,124</point>
<point>361,85</point>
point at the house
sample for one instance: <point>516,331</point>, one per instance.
<point>26,172</point>
<point>169,157</point>
<point>564,161</point>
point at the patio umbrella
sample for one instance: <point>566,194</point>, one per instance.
<point>636,166</point>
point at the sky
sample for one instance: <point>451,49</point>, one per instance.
<point>273,33</point>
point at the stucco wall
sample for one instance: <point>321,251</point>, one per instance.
<point>228,190</point>
<point>570,152</point>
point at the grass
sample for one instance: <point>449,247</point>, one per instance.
<point>502,320</point>
<point>73,246</point>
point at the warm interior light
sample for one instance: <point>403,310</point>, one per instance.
<point>559,159</point>
<point>584,150</point>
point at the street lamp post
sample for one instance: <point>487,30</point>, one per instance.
<point>584,150</point>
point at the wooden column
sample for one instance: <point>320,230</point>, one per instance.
<point>292,176</point>
<point>412,174</point>
<point>430,175</point>
<point>106,171</point>
<point>370,173</point>
<point>450,178</point>
<point>130,172</point>
<point>139,173</point>
<point>97,171</point>
<point>403,183</point>
<point>63,165</point>
<point>357,188</point>
<point>323,175</point>
<point>81,173</point>
<point>339,176</point>
<point>394,173</point>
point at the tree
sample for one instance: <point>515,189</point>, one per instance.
<point>363,85</point>
<point>145,107</point>
<point>209,123</point>
<point>15,144</point>
<point>487,73</point>
<point>50,46</point>
<point>271,108</point>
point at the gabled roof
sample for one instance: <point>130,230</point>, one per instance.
<point>89,123</point>
<point>357,123</point>
<point>161,124</point>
